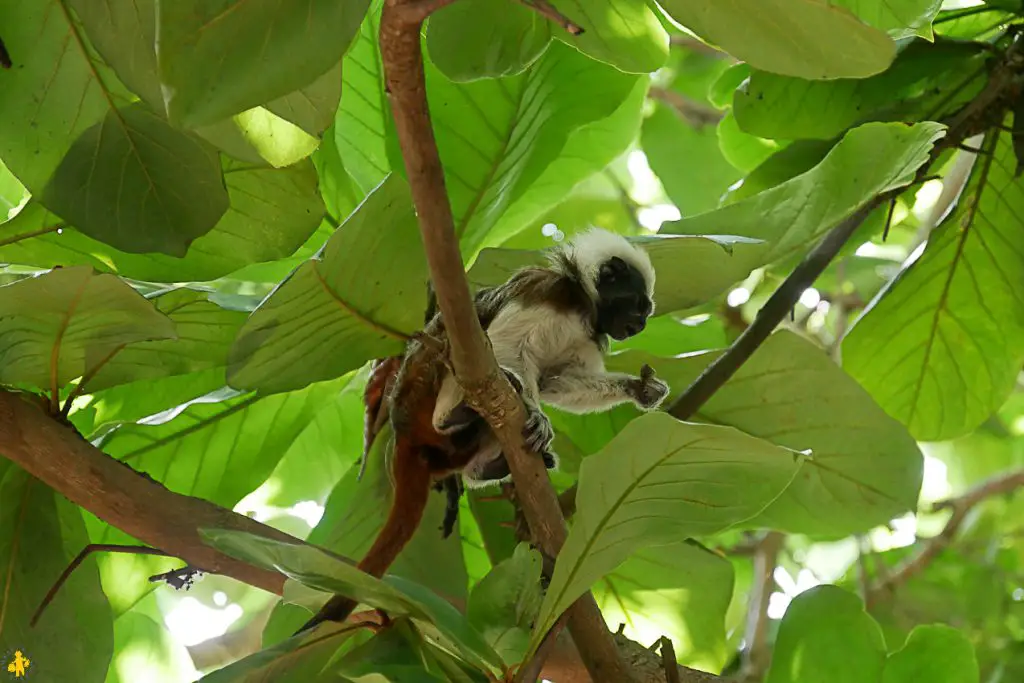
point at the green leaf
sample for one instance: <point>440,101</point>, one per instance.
<point>290,661</point>
<point>165,658</point>
<point>805,38</point>
<point>926,81</point>
<point>870,159</point>
<point>686,480</point>
<point>55,92</point>
<point>219,450</point>
<point>935,653</point>
<point>65,324</point>
<point>717,261</point>
<point>851,483</point>
<point>941,347</point>
<point>398,597</point>
<point>827,636</point>
<point>272,212</point>
<point>899,19</point>
<point>220,58</point>
<point>506,601</point>
<point>697,185</point>
<point>391,656</point>
<point>691,588</point>
<point>744,151</point>
<point>357,300</point>
<point>204,335</point>
<point>135,183</point>
<point>40,533</point>
<point>624,33</point>
<point>312,107</point>
<point>474,39</point>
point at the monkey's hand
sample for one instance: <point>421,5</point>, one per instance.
<point>537,431</point>
<point>647,391</point>
<point>439,347</point>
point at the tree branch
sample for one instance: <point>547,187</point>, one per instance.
<point>486,389</point>
<point>551,13</point>
<point>1000,485</point>
<point>694,113</point>
<point>58,456</point>
<point>758,652</point>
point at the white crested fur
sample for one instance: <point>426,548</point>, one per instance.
<point>590,249</point>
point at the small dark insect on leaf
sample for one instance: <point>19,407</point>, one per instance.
<point>1018,134</point>
<point>5,57</point>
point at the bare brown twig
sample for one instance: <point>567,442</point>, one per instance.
<point>692,112</point>
<point>933,547</point>
<point>551,13</point>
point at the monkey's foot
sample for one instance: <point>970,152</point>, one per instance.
<point>648,391</point>
<point>537,431</point>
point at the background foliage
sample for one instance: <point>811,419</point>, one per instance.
<point>205,244</point>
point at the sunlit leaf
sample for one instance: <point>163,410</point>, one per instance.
<point>827,635</point>
<point>40,533</point>
<point>66,323</point>
<point>680,590</point>
<point>851,483</point>
<point>941,347</point>
<point>219,59</point>
<point>272,212</point>
<point>935,652</point>
<point>358,300</point>
<point>927,81</point>
<point>685,480</point>
<point>805,38</point>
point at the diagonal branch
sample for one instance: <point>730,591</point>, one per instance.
<point>1003,484</point>
<point>58,456</point>
<point>486,389</point>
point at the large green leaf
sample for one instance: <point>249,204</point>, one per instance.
<point>805,38</point>
<point>219,450</point>
<point>204,335</point>
<point>870,159</point>
<point>399,597</point>
<point>827,636</point>
<point>697,185</point>
<point>54,93</point>
<point>624,33</point>
<point>135,183</point>
<point>926,81</point>
<point>220,58</point>
<point>935,653</point>
<point>681,590</point>
<point>941,347</point>
<point>506,601</point>
<point>658,481</point>
<point>852,483</point>
<point>356,301</point>
<point>66,323</point>
<point>272,212</point>
<point>40,533</point>
<point>474,39</point>
<point>899,19</point>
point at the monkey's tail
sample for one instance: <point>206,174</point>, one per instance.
<point>412,488</point>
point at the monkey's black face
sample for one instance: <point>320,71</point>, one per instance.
<point>623,305</point>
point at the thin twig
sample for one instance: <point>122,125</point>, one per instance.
<point>757,654</point>
<point>29,235</point>
<point>486,389</point>
<point>933,547</point>
<point>694,113</point>
<point>531,670</point>
<point>700,47</point>
<point>79,559</point>
<point>551,13</point>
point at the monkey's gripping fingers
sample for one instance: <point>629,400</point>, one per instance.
<point>537,432</point>
<point>648,391</point>
<point>434,345</point>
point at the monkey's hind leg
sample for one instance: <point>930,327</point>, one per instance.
<point>452,486</point>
